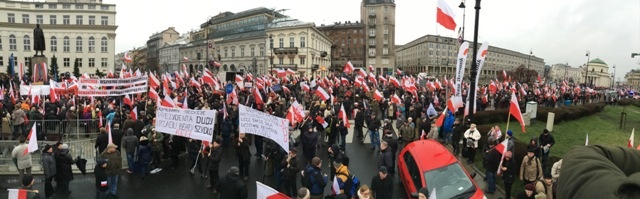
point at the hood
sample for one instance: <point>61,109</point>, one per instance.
<point>335,148</point>
<point>232,178</point>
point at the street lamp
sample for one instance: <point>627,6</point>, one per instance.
<point>586,74</point>
<point>474,64</point>
<point>634,54</point>
<point>271,45</point>
<point>463,18</point>
<point>529,65</point>
<point>614,77</point>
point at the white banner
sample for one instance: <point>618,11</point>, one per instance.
<point>113,82</point>
<point>194,124</point>
<point>113,92</point>
<point>460,64</point>
<point>35,89</point>
<point>480,57</point>
<point>256,122</point>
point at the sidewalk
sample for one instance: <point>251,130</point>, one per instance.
<point>479,179</point>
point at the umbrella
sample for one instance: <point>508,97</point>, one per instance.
<point>81,163</point>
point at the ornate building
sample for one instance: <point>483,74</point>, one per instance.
<point>560,72</point>
<point>83,30</point>
<point>632,79</point>
<point>598,73</point>
<point>157,41</point>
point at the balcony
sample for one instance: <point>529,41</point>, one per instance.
<point>285,66</point>
<point>372,45</point>
<point>287,50</point>
<point>372,34</point>
<point>372,14</point>
<point>372,25</point>
<point>372,55</point>
<point>315,67</point>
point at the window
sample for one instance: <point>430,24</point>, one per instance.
<point>92,20</point>
<point>252,49</point>
<point>302,61</point>
<point>27,61</point>
<point>103,44</point>
<point>27,43</point>
<point>385,61</point>
<point>270,43</point>
<point>225,53</point>
<point>1,61</point>
<point>25,18</point>
<point>11,18</point>
<point>372,42</point>
<point>91,7</point>
<point>65,62</point>
<point>233,53</point>
<point>53,6</point>
<point>92,62</point>
<point>280,60</point>
<point>78,44</point>
<point>78,19</point>
<point>39,19</point>
<point>386,9</point>
<point>66,19</point>
<point>292,42</point>
<point>104,20</point>
<point>104,7</point>
<point>80,6</point>
<point>386,21</point>
<point>242,52</point>
<point>372,11</point>
<point>66,43</point>
<point>372,32</point>
<point>54,44</point>
<point>79,60</point>
<point>52,19</point>
<point>372,52</point>
<point>385,51</point>
<point>0,44</point>
<point>385,41</point>
<point>92,44</point>
<point>303,42</point>
<point>262,51</point>
<point>291,61</point>
<point>103,62</point>
<point>414,171</point>
<point>66,6</point>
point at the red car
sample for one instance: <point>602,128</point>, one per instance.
<point>428,163</point>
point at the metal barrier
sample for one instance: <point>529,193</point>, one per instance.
<point>58,130</point>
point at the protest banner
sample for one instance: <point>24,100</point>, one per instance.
<point>271,127</point>
<point>194,124</point>
<point>113,82</point>
<point>114,92</point>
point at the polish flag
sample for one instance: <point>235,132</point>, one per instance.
<point>257,97</point>
<point>238,78</point>
<point>153,94</point>
<point>18,193</point>
<point>33,140</point>
<point>348,68</point>
<point>502,149</point>
<point>493,88</point>
<point>185,59</point>
<point>371,68</point>
<point>127,58</point>
<point>290,72</point>
<point>454,103</point>
<point>195,83</point>
<point>20,71</point>
<point>362,73</point>
<point>110,137</point>
<point>514,109</point>
<point>291,116</point>
<point>630,142</point>
<point>335,187</point>
<point>320,120</point>
<point>100,119</point>
<point>134,114</point>
<point>504,75</point>
<point>322,94</point>
<point>266,192</point>
<point>153,81</point>
<point>343,115</point>
<point>206,78</point>
<point>167,102</point>
<point>395,99</point>
<point>377,95</point>
<point>127,101</point>
<point>440,120</point>
<point>394,81</point>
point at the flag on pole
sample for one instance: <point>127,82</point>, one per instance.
<point>335,187</point>
<point>18,193</point>
<point>109,132</point>
<point>33,140</point>
<point>343,115</point>
<point>630,142</point>
<point>514,109</point>
<point>265,192</point>
<point>586,143</point>
<point>433,194</point>
<point>445,15</point>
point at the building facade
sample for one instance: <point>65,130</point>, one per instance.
<point>298,46</point>
<point>598,73</point>
<point>157,41</point>
<point>80,29</point>
<point>348,40</point>
<point>632,79</point>
<point>379,19</point>
<point>169,55</point>
<point>561,72</point>
<point>436,55</point>
<point>138,58</point>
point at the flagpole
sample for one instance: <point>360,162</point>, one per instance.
<point>508,119</point>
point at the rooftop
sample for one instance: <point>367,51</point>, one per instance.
<point>281,23</point>
<point>370,2</point>
<point>228,16</point>
<point>597,61</point>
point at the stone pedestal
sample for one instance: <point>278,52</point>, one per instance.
<point>550,119</point>
<point>39,59</point>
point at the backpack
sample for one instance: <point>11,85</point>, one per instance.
<point>351,186</point>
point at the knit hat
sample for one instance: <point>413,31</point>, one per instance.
<point>383,170</point>
<point>217,140</point>
<point>46,148</point>
<point>530,187</point>
<point>64,146</point>
<point>424,191</point>
<point>27,180</point>
<point>547,175</point>
<point>234,170</point>
<point>510,133</point>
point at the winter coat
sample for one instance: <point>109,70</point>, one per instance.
<point>509,175</point>
<point>315,181</point>
<point>543,190</point>
<point>385,158</point>
<point>373,124</point>
<point>475,135</point>
<point>214,158</point>
<point>115,162</point>
<point>101,178</point>
<point>63,165</point>
<point>291,169</point>
<point>231,186</point>
<point>448,122</point>
<point>130,143</point>
<point>144,153</point>
<point>49,164</point>
<point>242,151</point>
<point>18,116</point>
<point>530,169</point>
<point>156,141</point>
<point>23,160</point>
<point>102,141</point>
<point>382,188</point>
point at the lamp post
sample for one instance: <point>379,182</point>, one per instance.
<point>586,74</point>
<point>529,66</point>
<point>463,18</point>
<point>474,64</point>
<point>271,58</point>
<point>613,84</point>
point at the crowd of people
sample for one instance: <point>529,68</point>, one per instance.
<point>357,95</point>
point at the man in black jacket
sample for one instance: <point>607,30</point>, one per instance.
<point>102,140</point>
<point>382,185</point>
<point>291,170</point>
<point>101,178</point>
<point>491,164</point>
<point>373,124</point>
<point>359,121</point>
<point>231,186</point>
<point>215,156</point>
<point>385,157</point>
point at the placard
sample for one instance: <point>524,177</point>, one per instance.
<point>271,127</point>
<point>194,124</point>
<point>113,92</point>
<point>113,82</point>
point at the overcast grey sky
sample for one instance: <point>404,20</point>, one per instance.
<point>560,31</point>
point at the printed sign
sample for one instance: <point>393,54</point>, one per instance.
<point>113,92</point>
<point>194,124</point>
<point>113,82</point>
<point>271,127</point>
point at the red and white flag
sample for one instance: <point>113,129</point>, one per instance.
<point>127,58</point>
<point>33,140</point>
<point>238,78</point>
<point>321,121</point>
<point>335,187</point>
<point>630,142</point>
<point>440,120</point>
<point>377,95</point>
<point>167,102</point>
<point>266,192</point>
<point>134,114</point>
<point>127,101</point>
<point>502,149</point>
<point>371,68</point>
<point>18,193</point>
<point>322,94</point>
<point>153,81</point>
<point>343,115</point>
<point>454,103</point>
<point>109,133</point>
<point>514,109</point>
<point>153,94</point>
<point>445,16</point>
<point>348,68</point>
<point>185,105</point>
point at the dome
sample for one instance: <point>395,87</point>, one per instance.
<point>597,61</point>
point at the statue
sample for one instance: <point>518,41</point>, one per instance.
<point>38,40</point>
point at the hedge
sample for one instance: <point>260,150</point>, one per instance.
<point>565,113</point>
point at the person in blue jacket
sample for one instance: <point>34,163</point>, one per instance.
<point>447,128</point>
